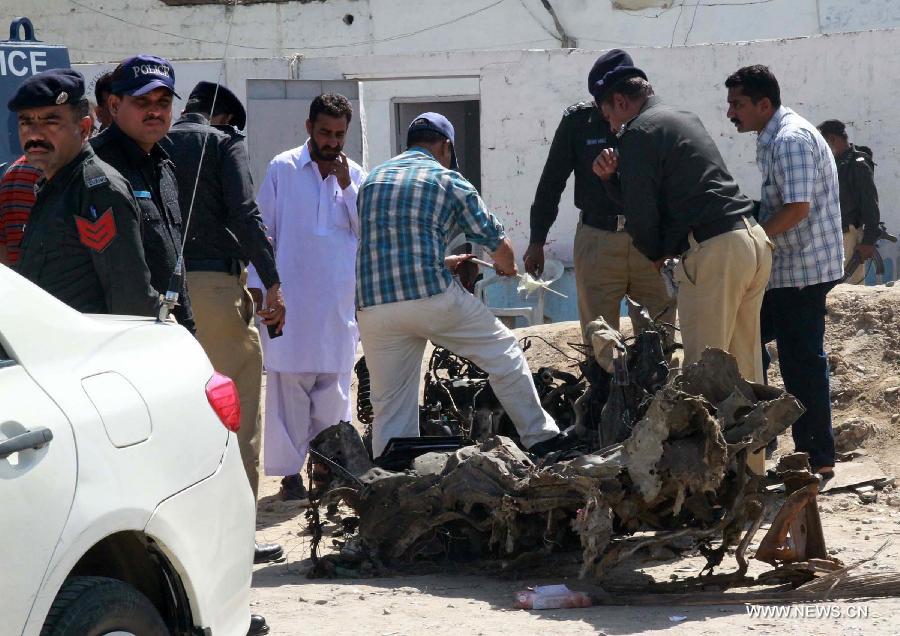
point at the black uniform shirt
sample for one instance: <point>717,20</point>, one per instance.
<point>581,135</point>
<point>82,242</point>
<point>859,198</point>
<point>225,222</point>
<point>152,178</point>
<point>672,180</point>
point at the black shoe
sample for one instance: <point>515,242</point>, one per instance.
<point>292,489</point>
<point>258,625</point>
<point>562,442</point>
<point>266,552</point>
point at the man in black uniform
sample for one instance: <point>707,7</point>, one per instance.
<point>859,197</point>
<point>141,106</point>
<point>680,200</point>
<point>82,242</point>
<point>607,265</point>
<point>225,232</point>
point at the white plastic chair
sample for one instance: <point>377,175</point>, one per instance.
<point>533,314</point>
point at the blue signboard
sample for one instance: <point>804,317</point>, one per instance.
<point>22,56</point>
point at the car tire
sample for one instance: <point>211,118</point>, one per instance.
<point>97,605</point>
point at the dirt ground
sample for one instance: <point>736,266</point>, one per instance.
<point>863,341</point>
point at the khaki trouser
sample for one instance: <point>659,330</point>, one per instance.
<point>223,312</point>
<point>721,284</point>
<point>394,336</point>
<point>607,267</point>
<point>853,237</point>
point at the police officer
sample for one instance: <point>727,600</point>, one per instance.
<point>681,200</point>
<point>141,107</point>
<point>82,242</point>
<point>859,198</point>
<point>224,234</point>
<point>607,265</point>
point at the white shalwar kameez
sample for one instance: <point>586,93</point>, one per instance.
<point>314,227</point>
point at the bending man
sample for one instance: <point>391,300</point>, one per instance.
<point>410,207</point>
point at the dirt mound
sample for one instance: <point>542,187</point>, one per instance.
<point>863,344</point>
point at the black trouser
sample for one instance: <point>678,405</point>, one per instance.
<point>795,318</point>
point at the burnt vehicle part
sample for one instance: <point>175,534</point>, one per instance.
<point>680,475</point>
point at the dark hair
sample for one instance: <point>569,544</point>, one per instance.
<point>81,108</point>
<point>634,87</point>
<point>117,75</point>
<point>756,82</point>
<point>833,127</point>
<point>424,136</point>
<point>330,104</point>
<point>103,88</point>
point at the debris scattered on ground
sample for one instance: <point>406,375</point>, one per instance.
<point>551,597</point>
<point>861,471</point>
<point>850,434</point>
<point>680,474</point>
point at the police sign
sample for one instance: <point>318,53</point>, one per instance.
<point>21,57</point>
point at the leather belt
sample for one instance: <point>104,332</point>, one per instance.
<point>727,224</point>
<point>225,265</point>
<point>607,223</point>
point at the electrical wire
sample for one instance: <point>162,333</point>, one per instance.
<point>693,18</point>
<point>391,38</point>
<point>212,109</point>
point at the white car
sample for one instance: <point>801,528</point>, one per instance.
<point>125,506</point>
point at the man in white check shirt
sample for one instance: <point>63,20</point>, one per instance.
<point>308,203</point>
<point>800,211</point>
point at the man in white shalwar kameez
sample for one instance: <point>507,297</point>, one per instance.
<point>308,203</point>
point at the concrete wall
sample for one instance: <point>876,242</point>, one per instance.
<point>523,94</point>
<point>106,31</point>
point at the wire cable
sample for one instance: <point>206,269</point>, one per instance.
<point>391,38</point>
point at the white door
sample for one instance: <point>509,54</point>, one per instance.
<point>38,470</point>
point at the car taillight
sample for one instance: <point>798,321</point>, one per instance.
<point>223,398</point>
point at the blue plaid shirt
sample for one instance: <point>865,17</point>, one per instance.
<point>797,166</point>
<point>410,208</point>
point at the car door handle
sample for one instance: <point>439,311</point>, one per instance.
<point>38,438</point>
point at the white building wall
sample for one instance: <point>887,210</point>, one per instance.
<point>523,94</point>
<point>107,30</point>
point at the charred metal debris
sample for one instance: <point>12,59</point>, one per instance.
<point>663,465</point>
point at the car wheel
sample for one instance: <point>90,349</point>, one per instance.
<point>100,606</point>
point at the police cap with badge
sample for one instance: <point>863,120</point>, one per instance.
<point>53,87</point>
<point>138,75</point>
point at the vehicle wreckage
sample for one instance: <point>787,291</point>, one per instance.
<point>663,461</point>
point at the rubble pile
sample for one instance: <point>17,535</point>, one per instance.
<point>680,472</point>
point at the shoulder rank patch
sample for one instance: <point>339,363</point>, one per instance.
<point>98,234</point>
<point>574,108</point>
<point>93,182</point>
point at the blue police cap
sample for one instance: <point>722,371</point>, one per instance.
<point>609,68</point>
<point>54,87</point>
<point>141,74</point>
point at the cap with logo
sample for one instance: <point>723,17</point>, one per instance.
<point>54,87</point>
<point>141,74</point>
<point>609,68</point>
<point>226,102</point>
<point>439,124</point>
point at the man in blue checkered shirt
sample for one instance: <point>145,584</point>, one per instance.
<point>800,211</point>
<point>410,208</point>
